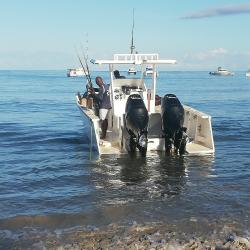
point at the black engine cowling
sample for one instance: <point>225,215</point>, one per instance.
<point>136,123</point>
<point>136,114</point>
<point>172,113</point>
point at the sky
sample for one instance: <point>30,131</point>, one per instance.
<point>200,35</point>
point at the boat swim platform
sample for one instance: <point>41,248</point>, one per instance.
<point>107,149</point>
<point>191,149</point>
<point>197,149</point>
<point>110,146</point>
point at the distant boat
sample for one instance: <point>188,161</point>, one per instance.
<point>132,71</point>
<point>149,71</point>
<point>75,72</point>
<point>248,73</point>
<point>221,72</point>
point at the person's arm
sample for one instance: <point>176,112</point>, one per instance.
<point>97,97</point>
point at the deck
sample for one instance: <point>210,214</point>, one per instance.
<point>109,145</point>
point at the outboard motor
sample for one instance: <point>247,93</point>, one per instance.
<point>136,123</point>
<point>172,113</point>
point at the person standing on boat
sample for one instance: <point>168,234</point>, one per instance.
<point>117,75</point>
<point>103,98</point>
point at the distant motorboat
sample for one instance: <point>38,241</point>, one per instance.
<point>131,71</point>
<point>221,72</point>
<point>248,73</point>
<point>75,72</point>
<point>149,70</point>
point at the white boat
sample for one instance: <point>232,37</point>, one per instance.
<point>133,101</point>
<point>248,73</point>
<point>132,71</point>
<point>149,70</point>
<point>76,72</point>
<point>221,72</point>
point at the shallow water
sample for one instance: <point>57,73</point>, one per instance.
<point>48,181</point>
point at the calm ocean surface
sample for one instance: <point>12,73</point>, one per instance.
<point>48,182</point>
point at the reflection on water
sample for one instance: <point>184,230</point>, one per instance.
<point>133,170</point>
<point>160,188</point>
<point>126,188</point>
<point>172,175</point>
<point>47,179</point>
<point>129,179</point>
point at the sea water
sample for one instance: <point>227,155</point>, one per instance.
<point>48,181</point>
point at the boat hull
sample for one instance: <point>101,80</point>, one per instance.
<point>221,73</point>
<point>75,73</point>
<point>198,124</point>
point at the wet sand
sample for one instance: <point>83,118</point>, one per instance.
<point>151,236</point>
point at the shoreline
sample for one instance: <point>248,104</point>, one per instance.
<point>136,236</point>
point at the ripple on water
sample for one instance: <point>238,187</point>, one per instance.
<point>47,177</point>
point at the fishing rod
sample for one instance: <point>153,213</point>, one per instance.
<point>86,73</point>
<point>86,63</point>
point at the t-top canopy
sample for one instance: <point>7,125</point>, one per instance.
<point>137,59</point>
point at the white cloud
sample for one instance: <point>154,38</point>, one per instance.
<point>220,11</point>
<point>211,59</point>
<point>205,55</point>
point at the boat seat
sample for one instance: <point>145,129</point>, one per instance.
<point>154,126</point>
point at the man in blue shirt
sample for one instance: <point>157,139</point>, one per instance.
<point>103,97</point>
